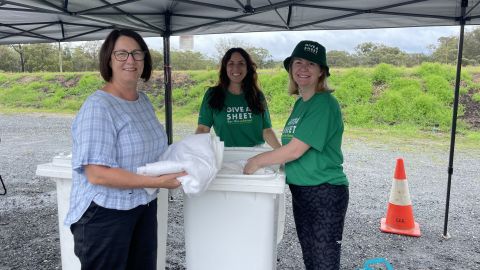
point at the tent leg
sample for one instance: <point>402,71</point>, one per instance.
<point>60,57</point>
<point>454,116</point>
<point>168,88</point>
<point>167,80</point>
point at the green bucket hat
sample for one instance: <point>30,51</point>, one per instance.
<point>310,50</point>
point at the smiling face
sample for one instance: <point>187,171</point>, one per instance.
<point>306,74</point>
<point>236,68</point>
<point>129,70</point>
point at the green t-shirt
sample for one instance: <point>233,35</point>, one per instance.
<point>235,124</point>
<point>318,123</point>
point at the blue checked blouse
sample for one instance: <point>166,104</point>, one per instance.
<point>117,133</point>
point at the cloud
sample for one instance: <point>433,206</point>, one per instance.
<point>280,44</point>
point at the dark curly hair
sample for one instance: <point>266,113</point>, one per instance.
<point>253,94</point>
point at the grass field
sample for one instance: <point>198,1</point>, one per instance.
<point>403,103</point>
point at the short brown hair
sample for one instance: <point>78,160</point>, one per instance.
<point>321,86</point>
<point>107,49</point>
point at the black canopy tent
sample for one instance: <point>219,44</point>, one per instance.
<point>33,21</point>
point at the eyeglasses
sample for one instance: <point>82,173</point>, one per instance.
<point>138,55</point>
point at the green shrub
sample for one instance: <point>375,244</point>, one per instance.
<point>335,79</point>
<point>358,115</point>
<point>54,99</point>
<point>178,96</point>
<point>51,102</point>
<point>21,96</point>
<point>273,84</point>
<point>409,93</point>
<point>476,97</point>
<point>281,104</point>
<point>158,102</point>
<point>466,77</point>
<point>461,91</point>
<point>380,96</point>
<point>87,84</point>
<point>194,106</point>
<point>197,91</point>
<point>3,78</point>
<point>211,76</point>
<point>407,88</point>
<point>47,76</point>
<point>428,69</point>
<point>440,88</point>
<point>384,73</point>
<point>399,83</point>
<point>391,108</point>
<point>353,89</point>
<point>429,111</point>
<point>72,105</point>
<point>275,89</point>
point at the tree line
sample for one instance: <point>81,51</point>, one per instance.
<point>84,57</point>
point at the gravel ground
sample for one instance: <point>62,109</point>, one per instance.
<point>29,236</point>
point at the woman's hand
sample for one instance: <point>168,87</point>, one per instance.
<point>169,181</point>
<point>202,129</point>
<point>251,167</point>
<point>270,137</point>
<point>120,178</point>
<point>291,151</point>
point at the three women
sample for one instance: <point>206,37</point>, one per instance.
<point>111,216</point>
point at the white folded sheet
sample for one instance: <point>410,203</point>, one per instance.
<point>236,167</point>
<point>200,156</point>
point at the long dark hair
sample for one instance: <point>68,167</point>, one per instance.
<point>253,94</point>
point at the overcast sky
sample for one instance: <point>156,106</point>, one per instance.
<point>281,44</point>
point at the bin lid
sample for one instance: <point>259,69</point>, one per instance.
<point>262,183</point>
<point>60,167</point>
<point>272,183</point>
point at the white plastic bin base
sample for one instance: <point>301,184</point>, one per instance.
<point>234,225</point>
<point>60,171</point>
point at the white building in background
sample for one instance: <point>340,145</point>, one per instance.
<point>186,43</point>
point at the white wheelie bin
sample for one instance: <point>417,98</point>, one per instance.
<point>238,222</point>
<point>60,170</point>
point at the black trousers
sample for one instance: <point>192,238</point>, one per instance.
<point>117,239</point>
<point>319,213</point>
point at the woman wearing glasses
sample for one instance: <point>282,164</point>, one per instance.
<point>111,216</point>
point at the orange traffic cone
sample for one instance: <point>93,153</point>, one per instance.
<point>399,218</point>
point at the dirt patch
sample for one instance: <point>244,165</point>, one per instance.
<point>472,109</point>
<point>378,90</point>
<point>72,82</point>
<point>156,84</point>
<point>476,78</point>
<point>27,79</point>
<point>181,79</point>
<point>60,79</point>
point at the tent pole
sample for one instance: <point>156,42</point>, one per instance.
<point>60,57</point>
<point>167,80</point>
<point>454,116</point>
